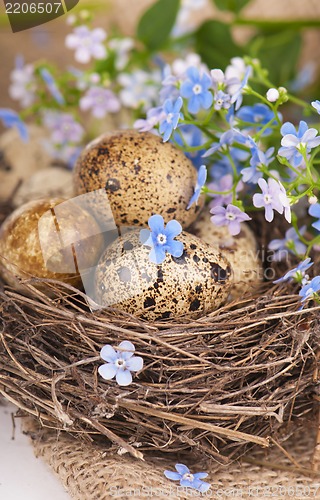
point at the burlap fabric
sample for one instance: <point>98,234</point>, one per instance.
<point>88,472</point>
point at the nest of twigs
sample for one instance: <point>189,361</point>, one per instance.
<point>212,386</point>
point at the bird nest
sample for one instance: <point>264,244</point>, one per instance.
<point>210,387</point>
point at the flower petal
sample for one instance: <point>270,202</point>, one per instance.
<point>107,371</point>
<point>172,475</point>
<point>182,469</point>
<point>123,377</point>
<point>108,353</point>
<point>135,364</point>
<point>126,349</point>
<point>156,224</point>
<point>173,229</point>
<point>146,238</point>
<point>157,255</point>
<point>176,248</point>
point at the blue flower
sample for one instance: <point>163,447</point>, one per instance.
<point>237,96</point>
<point>316,106</point>
<point>314,210</point>
<point>290,242</point>
<point>171,117</point>
<point>309,291</point>
<point>226,139</point>
<point>295,142</point>
<point>195,88</point>
<point>231,216</point>
<point>201,180</point>
<point>298,273</point>
<point>161,239</point>
<point>187,479</point>
<point>154,116</point>
<point>120,362</point>
<point>252,174</point>
<point>222,100</point>
<point>10,119</point>
<point>257,115</point>
<point>52,86</point>
<point>273,197</point>
<point>192,136</point>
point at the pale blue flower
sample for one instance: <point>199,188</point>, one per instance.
<point>87,43</point>
<point>273,197</point>
<point>231,216</point>
<point>314,211</point>
<point>310,290</point>
<point>226,139</point>
<point>252,174</point>
<point>290,242</point>
<point>237,96</point>
<point>161,239</point>
<point>201,180</point>
<point>23,83</point>
<point>153,118</point>
<point>196,90</point>
<point>257,116</point>
<point>11,119</point>
<point>187,479</point>
<point>64,128</point>
<point>298,273</point>
<point>295,142</point>
<point>222,100</point>
<point>52,86</point>
<point>316,106</point>
<point>100,101</point>
<point>120,362</point>
<point>171,117</point>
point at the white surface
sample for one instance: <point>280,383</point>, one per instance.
<point>22,475</point>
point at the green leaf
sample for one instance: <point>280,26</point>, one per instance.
<point>215,44</point>
<point>231,5</point>
<point>279,53</point>
<point>157,22</point>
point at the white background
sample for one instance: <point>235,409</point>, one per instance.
<point>22,475</point>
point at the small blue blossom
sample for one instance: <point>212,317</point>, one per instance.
<point>154,116</point>
<point>171,117</point>
<point>120,362</point>
<point>222,100</point>
<point>310,290</point>
<point>231,216</point>
<point>193,137</point>
<point>316,106</point>
<point>64,128</point>
<point>237,96</point>
<point>99,101</point>
<point>257,116</point>
<point>294,143</point>
<point>11,119</point>
<point>196,90</point>
<point>273,197</point>
<point>252,174</point>
<point>226,139</point>
<point>201,180</point>
<point>298,273</point>
<point>314,211</point>
<point>161,239</point>
<point>52,86</point>
<point>290,242</point>
<point>187,479</point>
<point>87,43</point>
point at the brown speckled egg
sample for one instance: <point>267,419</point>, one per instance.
<point>240,250</point>
<point>48,238</point>
<point>141,176</point>
<point>189,286</point>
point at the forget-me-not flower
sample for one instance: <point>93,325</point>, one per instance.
<point>257,116</point>
<point>87,43</point>
<point>201,180</point>
<point>171,117</point>
<point>153,118</point>
<point>298,273</point>
<point>273,197</point>
<point>161,239</point>
<point>64,128</point>
<point>120,362</point>
<point>100,101</point>
<point>314,211</point>
<point>316,106</point>
<point>52,86</point>
<point>196,90</point>
<point>221,100</point>
<point>187,479</point>
<point>290,242</point>
<point>23,83</point>
<point>11,119</point>
<point>252,174</point>
<point>294,143</point>
<point>310,290</point>
<point>226,139</point>
<point>230,216</point>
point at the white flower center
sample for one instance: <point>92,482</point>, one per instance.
<point>267,199</point>
<point>188,477</point>
<point>197,89</point>
<point>161,239</point>
<point>219,102</point>
<point>230,216</point>
<point>120,363</point>
<point>169,117</point>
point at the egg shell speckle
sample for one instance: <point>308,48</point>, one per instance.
<point>190,286</point>
<point>141,176</point>
<point>241,251</point>
<point>21,252</point>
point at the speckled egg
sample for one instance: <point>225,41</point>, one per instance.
<point>54,182</point>
<point>140,175</point>
<point>240,250</point>
<point>19,160</point>
<point>48,238</point>
<point>192,285</point>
